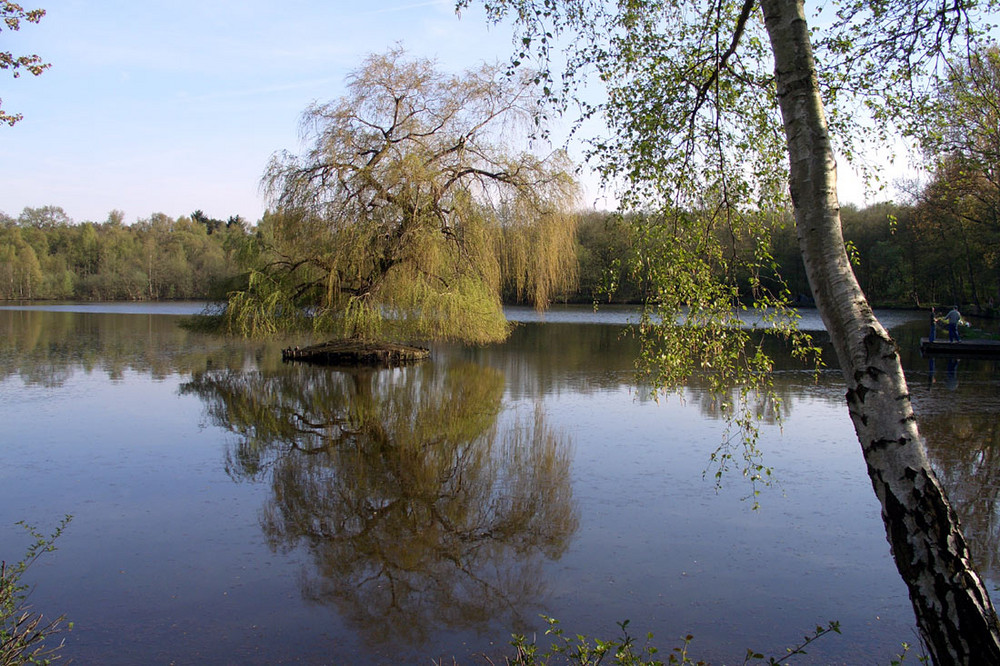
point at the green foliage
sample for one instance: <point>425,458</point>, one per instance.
<point>901,657</point>
<point>690,146</point>
<point>798,650</point>
<point>11,16</point>
<point>959,210</point>
<point>411,211</point>
<point>585,651</point>
<point>605,245</point>
<point>703,301</point>
<point>45,255</point>
<point>262,308</point>
<point>23,632</point>
<point>419,504</point>
<point>581,650</point>
<point>904,255</point>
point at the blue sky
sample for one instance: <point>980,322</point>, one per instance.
<point>175,105</point>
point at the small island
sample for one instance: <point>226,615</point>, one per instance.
<point>355,353</point>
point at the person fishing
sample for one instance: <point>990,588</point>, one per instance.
<point>952,318</point>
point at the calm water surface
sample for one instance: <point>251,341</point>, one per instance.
<point>231,509</point>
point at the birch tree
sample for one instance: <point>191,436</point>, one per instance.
<point>703,101</point>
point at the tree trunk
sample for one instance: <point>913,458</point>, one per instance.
<point>953,609</point>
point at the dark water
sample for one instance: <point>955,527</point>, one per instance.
<point>231,509</point>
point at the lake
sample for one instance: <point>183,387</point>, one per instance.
<point>229,508</point>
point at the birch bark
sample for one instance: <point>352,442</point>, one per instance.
<point>952,606</point>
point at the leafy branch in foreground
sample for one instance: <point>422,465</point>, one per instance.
<point>625,651</point>
<point>11,15</point>
<point>23,632</point>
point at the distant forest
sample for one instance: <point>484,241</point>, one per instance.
<point>904,256</point>
<point>45,255</point>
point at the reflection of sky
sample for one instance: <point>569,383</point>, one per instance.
<point>163,307</point>
<point>658,544</point>
<point>164,539</point>
<point>151,543</point>
<point>557,314</point>
<point>625,314</point>
<point>175,105</point>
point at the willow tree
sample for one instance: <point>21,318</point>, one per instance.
<point>410,209</point>
<point>419,505</point>
<point>705,100</point>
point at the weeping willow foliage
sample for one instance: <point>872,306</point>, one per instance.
<point>539,258</point>
<point>410,211</point>
<point>421,500</point>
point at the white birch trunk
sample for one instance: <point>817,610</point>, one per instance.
<point>953,609</point>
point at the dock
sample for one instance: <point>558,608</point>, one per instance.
<point>355,352</point>
<point>979,348</point>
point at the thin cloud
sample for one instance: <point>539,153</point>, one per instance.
<point>415,5</point>
<point>265,90</point>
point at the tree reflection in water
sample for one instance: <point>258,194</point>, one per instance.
<point>422,502</point>
<point>962,434</point>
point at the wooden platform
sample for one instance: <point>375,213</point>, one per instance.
<point>981,348</point>
<point>355,353</point>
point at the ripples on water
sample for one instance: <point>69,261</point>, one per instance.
<point>232,509</point>
<point>558,314</point>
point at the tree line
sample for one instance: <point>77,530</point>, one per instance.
<point>937,248</point>
<point>905,255</point>
<point>45,255</point>
<point>916,254</point>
